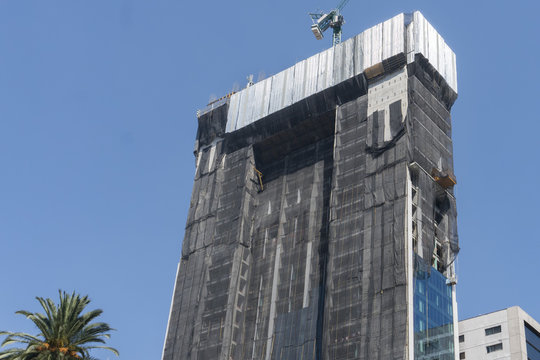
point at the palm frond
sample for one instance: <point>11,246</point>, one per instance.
<point>65,330</point>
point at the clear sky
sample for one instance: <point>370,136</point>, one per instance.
<point>97,126</point>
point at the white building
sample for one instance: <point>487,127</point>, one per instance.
<point>506,334</point>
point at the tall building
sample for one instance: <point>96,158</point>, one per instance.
<point>509,334</point>
<point>322,223</point>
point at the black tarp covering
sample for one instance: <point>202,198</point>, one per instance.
<point>309,261</point>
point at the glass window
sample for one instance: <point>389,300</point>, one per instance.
<point>461,338</point>
<point>533,342</point>
<point>462,355</point>
<point>493,348</point>
<point>532,352</point>
<point>433,315</point>
<point>493,330</point>
<point>421,288</point>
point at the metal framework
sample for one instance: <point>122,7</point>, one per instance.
<point>333,19</point>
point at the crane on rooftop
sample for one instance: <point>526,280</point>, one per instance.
<point>333,19</point>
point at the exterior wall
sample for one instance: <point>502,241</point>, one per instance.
<point>512,335</point>
<point>404,35</point>
<point>298,241</point>
<point>476,340</point>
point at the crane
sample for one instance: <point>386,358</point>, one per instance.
<point>334,19</point>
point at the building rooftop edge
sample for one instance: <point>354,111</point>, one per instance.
<point>407,34</point>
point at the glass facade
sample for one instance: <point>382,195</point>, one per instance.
<point>533,343</point>
<point>433,314</point>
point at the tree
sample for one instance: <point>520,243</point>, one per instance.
<point>65,332</point>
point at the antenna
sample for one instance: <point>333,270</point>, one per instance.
<point>334,20</point>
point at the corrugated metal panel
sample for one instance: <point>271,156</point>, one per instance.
<point>432,46</point>
<point>246,104</point>
<point>288,88</point>
<point>326,70</point>
<point>299,81</point>
<point>265,105</point>
<point>338,62</point>
<point>312,72</point>
<point>276,93</point>
<point>259,100</point>
<point>342,62</point>
<point>358,54</point>
<point>410,42</point>
<point>232,114</point>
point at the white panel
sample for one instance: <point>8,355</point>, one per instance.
<point>358,54</point>
<point>344,61</point>
<point>288,80</point>
<point>232,114</point>
<point>265,105</point>
<point>410,42</point>
<point>347,63</point>
<point>246,106</point>
<point>312,68</point>
<point>376,44</point>
<point>366,42</point>
<point>398,45</point>
<point>433,47</point>
<point>299,81</point>
<point>276,93</point>
<point>419,35</point>
<point>325,72</point>
<point>387,39</point>
<point>385,91</point>
<point>258,100</point>
<point>340,63</point>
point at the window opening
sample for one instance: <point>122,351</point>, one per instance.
<point>493,330</point>
<point>493,348</point>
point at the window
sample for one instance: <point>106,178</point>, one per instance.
<point>436,260</point>
<point>461,355</point>
<point>532,338</point>
<point>493,330</point>
<point>493,348</point>
<point>461,338</point>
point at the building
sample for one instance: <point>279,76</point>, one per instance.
<point>505,334</point>
<point>322,223</point>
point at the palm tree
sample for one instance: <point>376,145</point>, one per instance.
<point>65,332</point>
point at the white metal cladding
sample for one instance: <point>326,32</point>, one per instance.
<point>340,63</point>
<point>425,40</point>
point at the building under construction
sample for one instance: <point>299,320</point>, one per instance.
<point>322,223</point>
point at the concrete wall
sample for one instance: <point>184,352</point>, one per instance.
<point>512,335</point>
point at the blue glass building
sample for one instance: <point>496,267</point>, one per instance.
<point>433,314</point>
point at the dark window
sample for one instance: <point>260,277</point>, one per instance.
<point>493,348</point>
<point>461,338</point>
<point>493,330</point>
<point>461,355</point>
<point>532,338</point>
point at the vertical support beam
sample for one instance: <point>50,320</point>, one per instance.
<point>170,309</point>
<point>275,278</point>
<point>409,263</point>
<point>272,316</point>
<point>456,322</point>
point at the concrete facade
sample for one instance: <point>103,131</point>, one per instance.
<point>322,222</point>
<point>508,343</point>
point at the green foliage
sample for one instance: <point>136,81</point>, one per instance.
<point>65,332</point>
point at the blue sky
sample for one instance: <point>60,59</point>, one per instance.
<point>97,125</point>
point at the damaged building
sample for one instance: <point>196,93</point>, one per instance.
<point>322,223</point>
